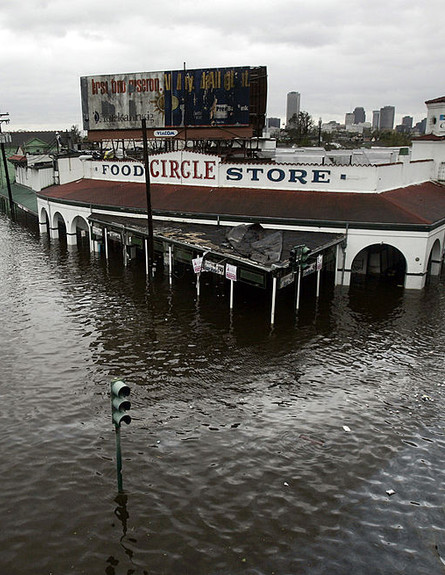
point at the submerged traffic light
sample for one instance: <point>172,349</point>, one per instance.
<point>119,402</point>
<point>293,259</point>
<point>305,252</point>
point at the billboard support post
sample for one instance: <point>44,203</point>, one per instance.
<point>148,195</point>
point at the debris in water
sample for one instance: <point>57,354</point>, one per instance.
<point>390,492</point>
<point>346,428</point>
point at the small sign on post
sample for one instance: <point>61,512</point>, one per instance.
<point>197,265</point>
<point>231,272</point>
<point>5,138</point>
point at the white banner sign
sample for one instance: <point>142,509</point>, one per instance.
<point>231,272</point>
<point>197,265</point>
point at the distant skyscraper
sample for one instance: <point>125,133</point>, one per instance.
<point>387,114</point>
<point>293,105</point>
<point>376,119</point>
<point>349,119</point>
<point>359,116</point>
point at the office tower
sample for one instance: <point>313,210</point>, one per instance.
<point>376,119</point>
<point>387,114</point>
<point>349,119</point>
<point>293,105</point>
<point>359,116</point>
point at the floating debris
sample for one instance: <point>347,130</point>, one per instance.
<point>390,492</point>
<point>346,428</point>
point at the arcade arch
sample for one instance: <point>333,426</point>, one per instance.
<point>379,261</point>
<point>435,260</point>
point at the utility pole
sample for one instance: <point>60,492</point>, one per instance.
<point>148,195</point>
<point>4,119</point>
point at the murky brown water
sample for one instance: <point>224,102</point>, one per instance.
<point>251,450</point>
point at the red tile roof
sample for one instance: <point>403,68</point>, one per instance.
<point>422,204</point>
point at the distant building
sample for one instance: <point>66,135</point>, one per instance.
<point>406,127</point>
<point>349,119</point>
<point>359,116</point>
<point>420,127</point>
<point>293,105</point>
<point>273,123</point>
<point>376,119</point>
<point>387,114</point>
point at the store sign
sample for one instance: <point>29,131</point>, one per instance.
<point>114,236</point>
<point>310,269</point>
<point>286,281</point>
<point>213,267</point>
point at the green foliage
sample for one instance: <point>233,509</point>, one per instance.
<point>391,138</point>
<point>300,130</point>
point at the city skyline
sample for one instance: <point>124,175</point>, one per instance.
<point>316,49</point>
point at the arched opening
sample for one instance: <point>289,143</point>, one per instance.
<point>79,226</point>
<point>434,261</point>
<point>379,262</point>
<point>44,221</point>
<point>59,225</point>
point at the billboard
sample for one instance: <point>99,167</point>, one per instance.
<point>174,99</point>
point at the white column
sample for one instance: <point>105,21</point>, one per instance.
<point>71,239</point>
<point>297,296</point>
<point>106,242</point>
<point>274,295</point>
<point>170,263</point>
<point>147,270</point>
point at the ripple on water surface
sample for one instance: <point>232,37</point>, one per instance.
<point>313,448</point>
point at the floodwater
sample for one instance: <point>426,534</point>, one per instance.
<point>313,448</point>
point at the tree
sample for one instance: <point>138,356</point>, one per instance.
<point>75,135</point>
<point>391,138</point>
<point>300,129</point>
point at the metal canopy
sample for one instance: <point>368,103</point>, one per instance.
<point>214,241</point>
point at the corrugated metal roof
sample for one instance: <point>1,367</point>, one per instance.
<point>214,238</point>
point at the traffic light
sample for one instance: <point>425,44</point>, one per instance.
<point>305,252</point>
<point>293,259</point>
<point>119,402</point>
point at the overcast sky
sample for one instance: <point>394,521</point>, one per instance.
<point>338,54</point>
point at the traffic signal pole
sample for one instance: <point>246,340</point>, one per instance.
<point>120,487</point>
<point>120,404</point>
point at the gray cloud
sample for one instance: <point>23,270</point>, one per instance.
<point>337,54</point>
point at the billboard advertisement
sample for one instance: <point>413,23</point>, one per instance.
<point>171,99</point>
